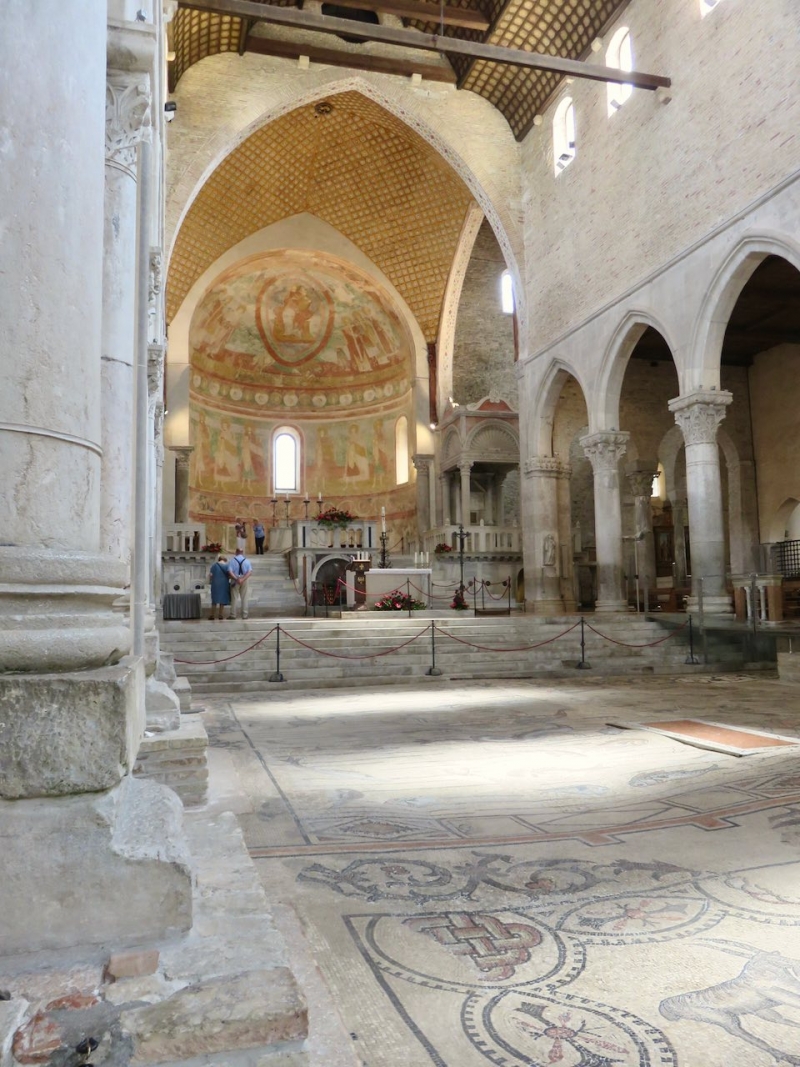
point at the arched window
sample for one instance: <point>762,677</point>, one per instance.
<point>620,56</point>
<point>401,450</point>
<point>657,489</point>
<point>507,292</point>
<point>285,460</point>
<point>564,134</point>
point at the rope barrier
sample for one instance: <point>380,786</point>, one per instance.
<point>374,655</point>
<point>647,644</point>
<point>521,648</point>
<point>210,662</point>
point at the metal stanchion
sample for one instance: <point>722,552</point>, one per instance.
<point>755,606</point>
<point>408,596</point>
<point>691,658</point>
<point>509,594</point>
<point>276,675</point>
<point>701,619</point>
<point>582,665</point>
<point>433,670</point>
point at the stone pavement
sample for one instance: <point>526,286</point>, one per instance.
<point>489,874</point>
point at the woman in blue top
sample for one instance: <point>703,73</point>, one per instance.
<point>220,586</point>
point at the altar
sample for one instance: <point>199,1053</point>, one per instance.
<point>380,581</point>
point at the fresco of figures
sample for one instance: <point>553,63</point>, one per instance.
<point>299,331</point>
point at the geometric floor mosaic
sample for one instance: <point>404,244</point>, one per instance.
<point>488,874</point>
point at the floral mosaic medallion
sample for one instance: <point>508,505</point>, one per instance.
<point>638,919</point>
<point>517,1028</point>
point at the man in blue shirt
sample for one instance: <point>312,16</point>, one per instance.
<point>258,533</point>
<point>239,570</point>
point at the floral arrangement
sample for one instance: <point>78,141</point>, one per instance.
<point>397,601</point>
<point>442,547</point>
<point>459,601</point>
<point>334,517</point>
<point>212,546</point>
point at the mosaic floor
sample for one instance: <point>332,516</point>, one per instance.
<point>490,874</point>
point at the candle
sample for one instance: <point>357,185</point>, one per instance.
<point>287,498</point>
<point>319,497</point>
<point>383,520</point>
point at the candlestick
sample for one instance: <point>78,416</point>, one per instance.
<point>383,520</point>
<point>319,497</point>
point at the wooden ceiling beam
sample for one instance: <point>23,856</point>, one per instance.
<point>337,57</point>
<point>302,20</point>
<point>422,11</point>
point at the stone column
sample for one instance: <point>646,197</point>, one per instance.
<point>565,542</point>
<point>182,461</point>
<point>604,450</point>
<point>542,535</point>
<point>444,498</point>
<point>699,415</point>
<point>641,486</point>
<point>464,497</point>
<point>127,121</point>
<point>90,855</point>
<point>155,382</point>
<point>679,510</point>
<point>422,465</point>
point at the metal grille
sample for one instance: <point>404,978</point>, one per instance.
<point>787,555</point>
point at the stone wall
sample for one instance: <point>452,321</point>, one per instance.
<point>483,353</point>
<point>653,178</point>
<point>775,401</point>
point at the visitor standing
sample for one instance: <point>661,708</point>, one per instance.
<point>220,583</point>
<point>239,570</point>
<point>241,536</point>
<point>258,533</point>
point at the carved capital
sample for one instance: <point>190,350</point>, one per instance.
<point>465,467</point>
<point>422,464</point>
<point>546,467</point>
<point>699,415</point>
<point>604,450</point>
<point>127,117</point>
<point>183,454</point>
<point>641,482</point>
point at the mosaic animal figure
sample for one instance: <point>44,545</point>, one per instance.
<point>766,983</point>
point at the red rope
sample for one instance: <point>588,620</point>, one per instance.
<point>374,655</point>
<point>522,648</point>
<point>209,662</point>
<point>647,644</point>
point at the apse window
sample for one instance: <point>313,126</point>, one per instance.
<point>564,135</point>
<point>401,450</point>
<point>507,292</point>
<point>619,56</point>
<point>285,461</point>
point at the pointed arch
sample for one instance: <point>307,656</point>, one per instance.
<point>471,160</point>
<point>541,431</point>
<point>605,414</point>
<point>703,369</point>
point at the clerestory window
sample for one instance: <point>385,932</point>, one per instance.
<point>619,56</point>
<point>507,292</point>
<point>286,460</point>
<point>563,135</point>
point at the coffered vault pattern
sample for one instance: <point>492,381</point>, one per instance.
<point>353,165</point>
<point>553,27</point>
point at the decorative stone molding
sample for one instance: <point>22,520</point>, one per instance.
<point>422,464</point>
<point>604,450</point>
<point>465,467</point>
<point>183,455</point>
<point>546,467</point>
<point>155,372</point>
<point>699,415</point>
<point>641,482</point>
<point>155,290</point>
<point>127,117</point>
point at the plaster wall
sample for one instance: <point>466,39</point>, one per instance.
<point>483,354</point>
<point>654,178</point>
<point>775,399</point>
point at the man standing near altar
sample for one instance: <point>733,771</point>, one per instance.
<point>239,570</point>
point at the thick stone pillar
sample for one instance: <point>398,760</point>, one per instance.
<point>444,498</point>
<point>89,855</point>
<point>699,415</point>
<point>183,454</point>
<point>422,465</point>
<point>604,450</point>
<point>679,511</point>
<point>465,470</point>
<point>127,120</point>
<point>542,535</point>
<point>565,539</point>
<point>640,482</point>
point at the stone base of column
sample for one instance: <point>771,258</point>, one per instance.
<point>605,606</point>
<point>712,605</point>
<point>551,606</point>
<point>94,868</point>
